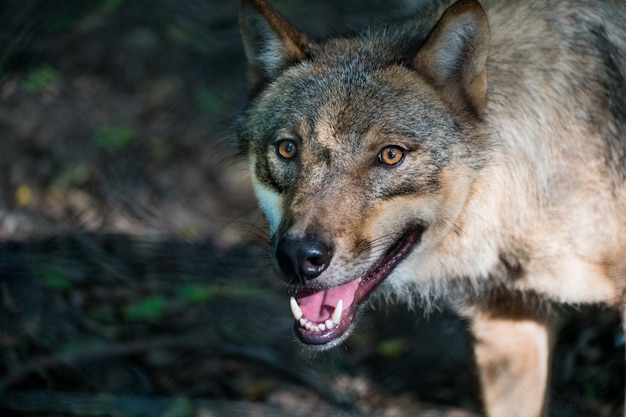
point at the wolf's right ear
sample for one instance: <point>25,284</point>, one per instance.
<point>270,42</point>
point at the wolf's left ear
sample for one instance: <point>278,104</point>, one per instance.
<point>270,42</point>
<point>454,55</point>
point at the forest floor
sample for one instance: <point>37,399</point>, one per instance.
<point>134,279</point>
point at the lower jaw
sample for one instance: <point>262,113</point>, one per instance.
<point>328,337</point>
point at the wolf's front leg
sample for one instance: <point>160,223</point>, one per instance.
<point>513,358</point>
<point>623,314</point>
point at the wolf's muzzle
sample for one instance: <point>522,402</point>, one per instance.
<point>302,258</point>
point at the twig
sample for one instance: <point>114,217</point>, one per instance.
<point>96,352</point>
<point>99,255</point>
<point>148,406</point>
<point>261,355</point>
<point>304,376</point>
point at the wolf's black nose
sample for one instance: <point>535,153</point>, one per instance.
<point>303,258</point>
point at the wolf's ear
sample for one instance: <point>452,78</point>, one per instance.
<point>454,55</point>
<point>270,42</point>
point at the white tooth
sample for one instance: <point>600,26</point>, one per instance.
<point>295,309</point>
<point>321,327</point>
<point>302,322</point>
<point>329,324</point>
<point>337,313</point>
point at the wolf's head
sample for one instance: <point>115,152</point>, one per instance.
<point>362,151</point>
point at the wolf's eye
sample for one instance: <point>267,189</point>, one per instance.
<point>286,148</point>
<point>391,155</point>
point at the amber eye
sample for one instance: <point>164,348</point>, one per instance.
<point>391,155</point>
<point>286,148</point>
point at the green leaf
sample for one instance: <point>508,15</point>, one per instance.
<point>75,174</point>
<point>102,314</point>
<point>39,79</point>
<point>150,308</point>
<point>208,101</point>
<point>180,407</point>
<point>78,345</point>
<point>111,5</point>
<point>114,137</point>
<point>195,293</point>
<point>53,276</point>
<point>60,19</point>
<point>590,391</point>
<point>393,348</point>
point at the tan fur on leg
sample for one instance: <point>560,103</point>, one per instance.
<point>512,355</point>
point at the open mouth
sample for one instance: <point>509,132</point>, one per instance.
<point>323,316</point>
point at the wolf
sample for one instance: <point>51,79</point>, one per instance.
<point>473,156</point>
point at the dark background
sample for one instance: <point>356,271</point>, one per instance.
<point>132,261</point>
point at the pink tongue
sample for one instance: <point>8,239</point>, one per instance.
<point>319,306</point>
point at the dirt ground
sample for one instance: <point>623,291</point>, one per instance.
<point>134,279</point>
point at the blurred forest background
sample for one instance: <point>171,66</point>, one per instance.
<point>133,274</point>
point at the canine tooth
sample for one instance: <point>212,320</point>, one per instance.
<point>329,324</point>
<point>295,309</point>
<point>337,313</point>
